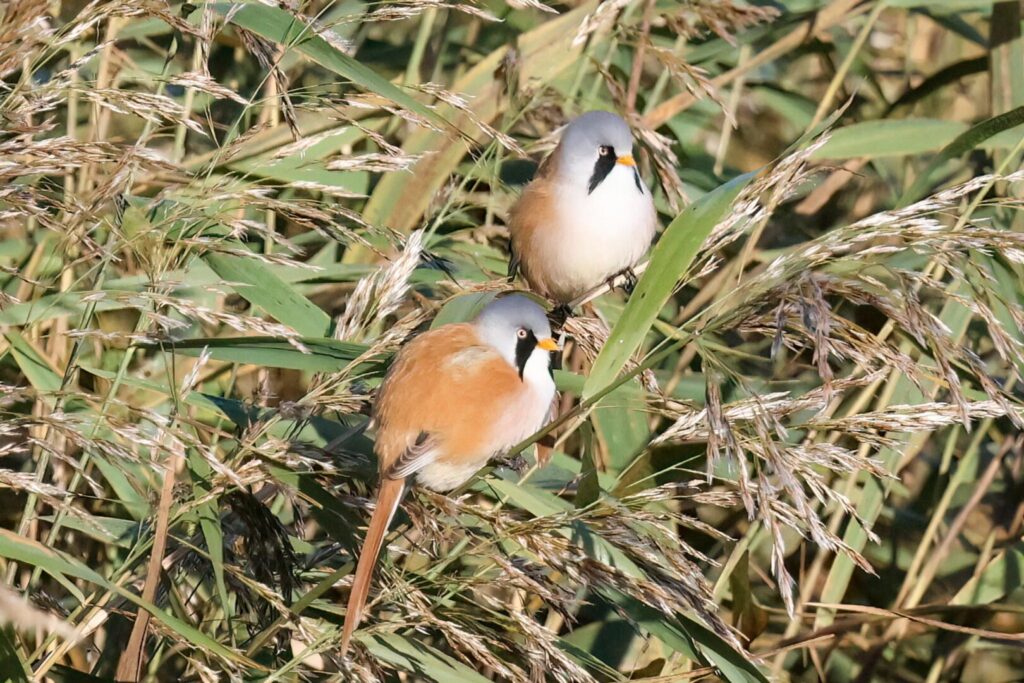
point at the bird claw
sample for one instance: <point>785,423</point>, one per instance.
<point>559,315</point>
<point>628,285</point>
<point>516,463</point>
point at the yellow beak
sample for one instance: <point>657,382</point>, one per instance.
<point>626,160</point>
<point>548,344</point>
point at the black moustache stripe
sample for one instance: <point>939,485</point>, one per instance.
<point>602,168</point>
<point>525,347</point>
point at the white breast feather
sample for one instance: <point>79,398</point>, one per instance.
<point>598,234</point>
<point>530,410</point>
<point>524,415</point>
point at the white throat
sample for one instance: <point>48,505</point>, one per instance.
<point>537,372</point>
<point>602,232</point>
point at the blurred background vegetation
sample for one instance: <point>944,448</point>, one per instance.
<point>798,455</point>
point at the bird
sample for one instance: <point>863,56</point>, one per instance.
<point>587,216</point>
<point>454,398</point>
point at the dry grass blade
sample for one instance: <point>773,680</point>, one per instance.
<point>131,661</point>
<point>934,623</point>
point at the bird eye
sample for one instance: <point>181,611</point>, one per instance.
<point>521,333</point>
<point>604,150</point>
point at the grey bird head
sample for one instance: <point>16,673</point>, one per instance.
<point>516,326</point>
<point>592,146</point>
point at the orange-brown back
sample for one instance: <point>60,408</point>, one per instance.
<point>450,385</point>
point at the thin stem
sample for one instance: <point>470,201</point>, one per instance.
<point>837,81</point>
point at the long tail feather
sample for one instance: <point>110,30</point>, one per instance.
<point>388,497</point>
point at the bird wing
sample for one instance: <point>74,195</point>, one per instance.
<point>532,222</point>
<point>530,213</point>
<point>415,457</point>
<point>445,384</point>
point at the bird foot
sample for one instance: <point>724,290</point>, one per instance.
<point>629,283</point>
<point>517,463</point>
<point>559,315</point>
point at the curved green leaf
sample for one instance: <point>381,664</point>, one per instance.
<point>255,283</point>
<point>423,661</point>
<point>669,261</point>
<point>889,138</point>
<point>325,355</point>
<point>964,143</point>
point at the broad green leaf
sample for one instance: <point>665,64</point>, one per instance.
<point>670,259</point>
<point>940,79</point>
<point>37,369</point>
<point>462,308</point>
<point>963,143</point>
<point>307,165</point>
<point>54,563</point>
<point>1003,575</point>
<point>587,657</point>
<point>562,469</point>
<point>109,530</point>
<point>52,306</point>
<point>14,669</point>
<point>621,421</point>
<point>465,307</point>
<point>144,28</point>
<point>943,5</point>
<point>589,488</point>
<point>12,249</point>
<point>889,138</point>
<point>533,500</point>
<point>423,661</point>
<point>137,504</point>
<point>747,614</point>
<point>609,638</point>
<point>796,109</point>
<point>656,623</point>
<point>325,355</point>
<point>541,504</point>
<point>286,29</point>
<point>193,398</point>
<point>569,381</point>
<point>734,667</point>
<point>689,638</point>
<point>255,283</point>
<point>209,522</point>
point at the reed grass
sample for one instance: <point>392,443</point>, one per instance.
<point>794,452</point>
